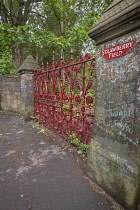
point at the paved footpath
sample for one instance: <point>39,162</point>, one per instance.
<point>37,173</point>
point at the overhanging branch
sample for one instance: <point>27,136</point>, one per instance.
<point>3,12</point>
<point>42,16</point>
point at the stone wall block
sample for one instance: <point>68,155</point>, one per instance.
<point>113,159</point>
<point>16,92</point>
<point>10,93</point>
<point>27,96</point>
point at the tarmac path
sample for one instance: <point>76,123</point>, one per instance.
<point>38,173</point>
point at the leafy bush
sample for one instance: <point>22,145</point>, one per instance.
<point>6,63</point>
<point>82,148</point>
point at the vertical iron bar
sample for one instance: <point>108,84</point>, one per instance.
<point>71,91</point>
<point>51,97</point>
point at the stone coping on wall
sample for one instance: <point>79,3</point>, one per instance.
<point>28,65</point>
<point>123,16</point>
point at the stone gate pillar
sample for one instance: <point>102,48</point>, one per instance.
<point>114,152</point>
<point>26,70</point>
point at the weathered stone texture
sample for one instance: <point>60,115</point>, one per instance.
<point>114,152</point>
<point>27,95</point>
<point>10,93</point>
<point>29,65</point>
<point>16,94</point>
<point>113,156</point>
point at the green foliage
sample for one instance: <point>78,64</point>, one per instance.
<point>82,148</point>
<point>12,35</point>
<point>6,63</point>
<point>44,32</point>
<point>77,35</point>
<point>41,131</point>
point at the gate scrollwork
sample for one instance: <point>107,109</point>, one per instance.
<point>64,96</point>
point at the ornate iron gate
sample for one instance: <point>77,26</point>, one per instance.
<point>64,97</point>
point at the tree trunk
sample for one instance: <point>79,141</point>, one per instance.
<point>17,57</point>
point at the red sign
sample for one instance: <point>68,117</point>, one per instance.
<point>117,51</point>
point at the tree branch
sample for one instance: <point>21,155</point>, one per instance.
<point>3,12</point>
<point>20,11</point>
<point>38,14</point>
<point>35,0</point>
<point>9,15</point>
<point>56,14</point>
<point>12,12</point>
<point>26,11</point>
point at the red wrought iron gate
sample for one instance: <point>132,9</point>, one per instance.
<point>64,97</point>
